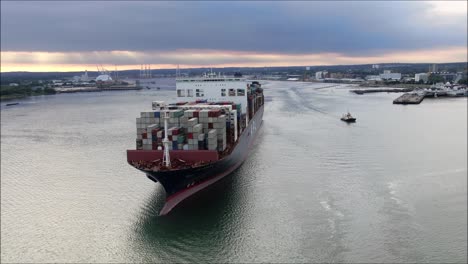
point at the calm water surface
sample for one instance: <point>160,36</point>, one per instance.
<point>390,188</point>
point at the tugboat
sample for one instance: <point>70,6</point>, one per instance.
<point>348,118</point>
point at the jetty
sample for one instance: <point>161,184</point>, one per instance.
<point>97,89</point>
<point>381,90</point>
<point>410,98</point>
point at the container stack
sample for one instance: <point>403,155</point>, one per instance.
<point>174,117</point>
<point>193,132</point>
<point>233,124</point>
<point>201,141</point>
<point>151,138</point>
<point>192,129</point>
<point>220,126</point>
<point>212,140</point>
<point>149,118</point>
<point>176,136</point>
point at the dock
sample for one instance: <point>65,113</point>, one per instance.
<point>96,89</point>
<point>382,90</point>
<point>409,98</point>
<point>418,97</point>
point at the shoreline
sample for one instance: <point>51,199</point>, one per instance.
<point>9,98</point>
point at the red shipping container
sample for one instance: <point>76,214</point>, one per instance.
<point>195,113</point>
<point>144,135</point>
<point>210,125</point>
<point>175,131</point>
<point>190,135</point>
<point>170,138</point>
<point>155,146</point>
<point>215,113</point>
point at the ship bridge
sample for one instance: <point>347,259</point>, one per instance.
<point>213,88</point>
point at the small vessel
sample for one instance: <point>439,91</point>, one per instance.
<point>348,118</point>
<point>12,104</point>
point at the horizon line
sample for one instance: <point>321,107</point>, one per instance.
<point>254,67</point>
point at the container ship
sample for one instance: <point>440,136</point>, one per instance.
<point>190,144</point>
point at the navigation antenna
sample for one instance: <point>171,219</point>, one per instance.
<point>166,157</point>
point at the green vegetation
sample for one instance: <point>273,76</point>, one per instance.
<point>434,78</point>
<point>463,81</point>
<point>14,92</point>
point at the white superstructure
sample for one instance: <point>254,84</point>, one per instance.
<point>213,88</point>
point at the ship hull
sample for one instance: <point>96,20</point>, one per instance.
<point>181,184</point>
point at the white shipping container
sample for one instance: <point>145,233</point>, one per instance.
<point>212,133</point>
<point>147,147</point>
<point>197,128</point>
<point>188,113</point>
<point>201,137</point>
<point>151,127</point>
<point>204,113</point>
<point>192,122</point>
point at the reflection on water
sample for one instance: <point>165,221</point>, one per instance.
<point>203,226</point>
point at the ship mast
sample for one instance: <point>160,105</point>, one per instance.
<point>166,157</point>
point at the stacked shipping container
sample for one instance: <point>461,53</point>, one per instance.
<point>204,129</point>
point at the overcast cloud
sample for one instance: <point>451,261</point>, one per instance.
<point>349,28</point>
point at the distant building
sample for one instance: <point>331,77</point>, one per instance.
<point>389,75</point>
<point>433,68</point>
<point>14,84</point>
<point>421,76</point>
<point>103,78</point>
<point>84,77</point>
<point>337,75</point>
<point>307,68</point>
<point>375,66</point>
<point>375,78</point>
<point>318,75</point>
<point>321,75</point>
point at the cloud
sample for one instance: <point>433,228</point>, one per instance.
<point>352,28</point>
<point>78,61</point>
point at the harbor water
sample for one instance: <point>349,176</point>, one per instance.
<point>391,187</point>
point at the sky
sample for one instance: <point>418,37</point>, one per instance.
<point>78,35</point>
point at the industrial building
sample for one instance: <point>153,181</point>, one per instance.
<point>421,76</point>
<point>389,75</point>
